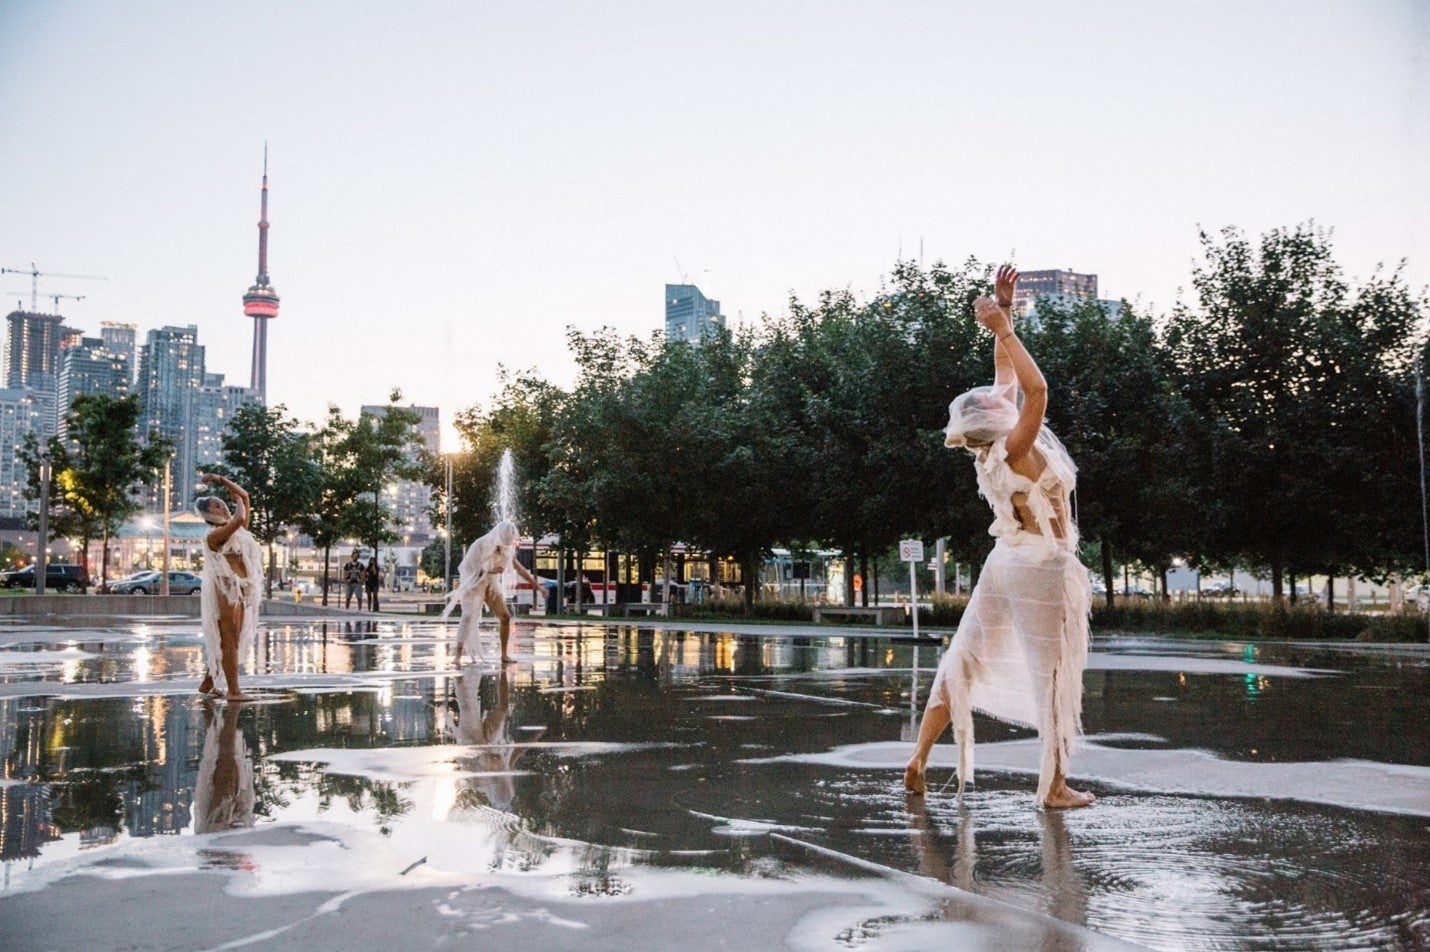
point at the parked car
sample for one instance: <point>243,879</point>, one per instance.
<point>1220,590</point>
<point>148,583</point>
<point>59,577</point>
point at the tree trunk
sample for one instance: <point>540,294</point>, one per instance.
<point>104,561</point>
<point>1162,574</point>
<point>1107,578</point>
<point>849,580</point>
<point>1276,590</point>
<point>272,567</point>
<point>1331,594</point>
<point>864,574</point>
<point>327,550</point>
<point>749,573</point>
<point>1293,587</point>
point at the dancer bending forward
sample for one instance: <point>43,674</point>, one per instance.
<point>228,600</point>
<point>1021,647</point>
<point>479,582</point>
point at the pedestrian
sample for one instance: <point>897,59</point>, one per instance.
<point>352,576</point>
<point>372,578</point>
<point>1021,645</point>
<point>228,598</point>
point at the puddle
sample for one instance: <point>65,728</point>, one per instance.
<point>1270,796</point>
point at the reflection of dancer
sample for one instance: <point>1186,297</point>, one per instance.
<point>479,580</point>
<point>495,758</point>
<point>223,796</point>
<point>1022,644</point>
<point>228,600</point>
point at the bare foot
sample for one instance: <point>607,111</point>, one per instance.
<point>237,697</point>
<point>507,659</point>
<point>1066,798</point>
<point>914,779</point>
<point>206,686</point>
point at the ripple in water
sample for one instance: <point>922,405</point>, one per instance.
<point>1166,872</point>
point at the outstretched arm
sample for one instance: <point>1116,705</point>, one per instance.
<point>1003,373</point>
<point>238,520</point>
<point>1029,377</point>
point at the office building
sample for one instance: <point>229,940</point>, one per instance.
<point>214,406</point>
<point>409,500</point>
<point>122,339</point>
<point>689,314</point>
<point>1058,287</point>
<point>20,410</point>
<point>89,366</point>
<point>171,373</point>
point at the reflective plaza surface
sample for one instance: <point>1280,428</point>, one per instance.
<point>637,786</point>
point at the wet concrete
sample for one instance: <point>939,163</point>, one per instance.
<point>633,786</point>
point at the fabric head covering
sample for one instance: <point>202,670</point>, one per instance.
<point>201,507</point>
<point>980,416</point>
<point>505,533</point>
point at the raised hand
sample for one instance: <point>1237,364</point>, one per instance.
<point>992,316</point>
<point>1003,285</point>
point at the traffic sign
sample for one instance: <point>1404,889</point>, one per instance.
<point>911,550</point>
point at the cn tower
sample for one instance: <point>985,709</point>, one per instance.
<point>261,301</point>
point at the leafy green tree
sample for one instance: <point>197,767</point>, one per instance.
<point>1304,390</point>
<point>379,448</point>
<point>327,519</point>
<point>101,469</point>
<point>265,452</point>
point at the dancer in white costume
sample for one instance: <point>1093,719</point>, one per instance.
<point>1021,647</point>
<point>228,601</point>
<point>479,580</point>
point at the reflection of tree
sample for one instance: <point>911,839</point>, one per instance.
<point>223,795</point>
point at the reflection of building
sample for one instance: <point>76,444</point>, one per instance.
<point>410,500</point>
<point>689,314</point>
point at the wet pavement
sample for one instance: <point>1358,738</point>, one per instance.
<point>635,787</point>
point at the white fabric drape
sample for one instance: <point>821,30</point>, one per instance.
<point>221,582</point>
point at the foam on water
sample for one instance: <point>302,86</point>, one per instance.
<point>1358,784</point>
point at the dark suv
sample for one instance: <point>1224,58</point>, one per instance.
<point>59,577</point>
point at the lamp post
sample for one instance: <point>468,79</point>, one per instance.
<point>41,560</point>
<point>168,488</point>
<point>447,535</point>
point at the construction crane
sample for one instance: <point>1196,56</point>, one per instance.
<point>36,274</point>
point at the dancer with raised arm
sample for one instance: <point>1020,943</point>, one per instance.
<point>232,576</point>
<point>479,583</point>
<point>1021,647</point>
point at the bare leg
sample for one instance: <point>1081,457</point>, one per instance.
<point>469,626</point>
<point>230,624</point>
<point>935,722</point>
<point>1063,797</point>
<point>498,606</point>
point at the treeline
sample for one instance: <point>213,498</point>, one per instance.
<point>1269,422</point>
<point>325,481</point>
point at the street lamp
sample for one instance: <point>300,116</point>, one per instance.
<point>447,532</point>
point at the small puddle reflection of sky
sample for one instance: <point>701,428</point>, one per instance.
<point>630,748</point>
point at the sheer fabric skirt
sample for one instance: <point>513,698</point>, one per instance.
<point>1020,650</point>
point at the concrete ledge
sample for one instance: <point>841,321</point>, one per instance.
<point>182,605</point>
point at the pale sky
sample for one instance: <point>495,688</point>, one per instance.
<point>453,184</point>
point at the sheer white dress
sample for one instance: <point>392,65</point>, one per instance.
<point>481,573</point>
<point>1021,647</point>
<point>223,584</point>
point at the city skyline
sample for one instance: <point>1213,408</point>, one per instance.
<point>453,188</point>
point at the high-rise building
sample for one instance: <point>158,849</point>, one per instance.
<point>214,407</point>
<point>410,500</point>
<point>261,301</point>
<point>690,315</point>
<point>32,346</point>
<point>171,372</point>
<point>89,367</point>
<point>1058,287</point>
<point>122,339</point>
<point>20,412</point>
